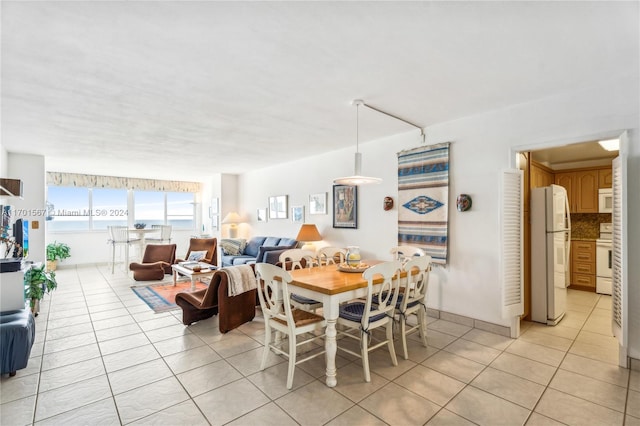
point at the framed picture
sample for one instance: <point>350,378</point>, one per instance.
<point>214,208</point>
<point>297,214</point>
<point>262,215</point>
<point>345,206</point>
<point>278,207</point>
<point>318,203</point>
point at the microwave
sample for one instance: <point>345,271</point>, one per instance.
<point>605,200</point>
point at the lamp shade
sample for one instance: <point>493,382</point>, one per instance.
<point>232,218</point>
<point>308,232</point>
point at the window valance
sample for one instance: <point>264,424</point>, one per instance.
<point>117,182</point>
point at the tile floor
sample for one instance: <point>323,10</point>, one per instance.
<point>103,357</point>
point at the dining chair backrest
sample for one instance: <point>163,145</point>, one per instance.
<point>328,255</point>
<point>385,295</point>
<point>406,252</point>
<point>272,290</point>
<point>292,259</point>
<point>416,284</point>
<point>165,231</point>
<point>118,234</point>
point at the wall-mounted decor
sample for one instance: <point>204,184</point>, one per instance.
<point>262,215</point>
<point>278,207</point>
<point>463,202</point>
<point>297,214</point>
<point>345,206</point>
<point>423,194</point>
<point>318,203</point>
<point>214,213</point>
<point>387,204</point>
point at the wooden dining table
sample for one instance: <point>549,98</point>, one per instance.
<point>330,286</point>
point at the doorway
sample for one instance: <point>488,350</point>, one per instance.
<point>583,167</point>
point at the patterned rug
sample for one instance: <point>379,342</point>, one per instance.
<point>423,193</point>
<point>161,297</point>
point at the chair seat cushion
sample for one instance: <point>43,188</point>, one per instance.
<point>303,300</point>
<point>355,311</point>
<point>399,302</point>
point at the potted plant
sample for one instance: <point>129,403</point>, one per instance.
<point>38,282</point>
<point>56,251</point>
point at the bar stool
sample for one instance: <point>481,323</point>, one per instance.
<point>119,236</point>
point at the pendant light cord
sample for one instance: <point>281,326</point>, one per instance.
<point>357,128</point>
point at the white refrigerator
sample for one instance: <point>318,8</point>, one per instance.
<point>550,244</point>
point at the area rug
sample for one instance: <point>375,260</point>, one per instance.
<point>423,193</point>
<point>161,297</point>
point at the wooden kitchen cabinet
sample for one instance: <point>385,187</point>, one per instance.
<point>583,265</point>
<point>540,175</point>
<point>582,190</point>
<point>605,178</point>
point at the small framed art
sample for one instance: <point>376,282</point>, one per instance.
<point>278,207</point>
<point>345,206</point>
<point>318,203</point>
<point>262,215</point>
<point>297,214</point>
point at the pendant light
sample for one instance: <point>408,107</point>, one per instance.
<point>357,178</point>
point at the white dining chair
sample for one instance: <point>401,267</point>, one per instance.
<point>412,299</point>
<point>119,236</point>
<point>165,234</point>
<point>404,252</point>
<point>328,255</point>
<point>359,318</point>
<point>273,289</point>
<point>292,259</point>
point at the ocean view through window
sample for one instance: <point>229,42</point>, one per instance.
<point>83,209</point>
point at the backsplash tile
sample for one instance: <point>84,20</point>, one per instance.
<point>587,225</point>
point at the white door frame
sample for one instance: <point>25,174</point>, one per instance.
<point>544,144</point>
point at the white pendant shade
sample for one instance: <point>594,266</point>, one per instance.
<point>357,178</point>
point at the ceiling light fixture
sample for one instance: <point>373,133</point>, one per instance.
<point>357,178</point>
<point>610,144</point>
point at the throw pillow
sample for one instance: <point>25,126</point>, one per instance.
<point>197,256</point>
<point>233,246</point>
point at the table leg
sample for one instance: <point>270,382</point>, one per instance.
<point>330,344</point>
<point>175,277</point>
<point>193,282</point>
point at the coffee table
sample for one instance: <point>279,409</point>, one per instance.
<point>182,270</point>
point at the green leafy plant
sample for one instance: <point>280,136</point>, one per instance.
<point>58,251</point>
<point>38,282</point>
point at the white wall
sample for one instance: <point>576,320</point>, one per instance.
<point>30,169</point>
<point>481,147</point>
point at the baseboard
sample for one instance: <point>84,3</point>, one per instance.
<point>634,364</point>
<point>470,322</point>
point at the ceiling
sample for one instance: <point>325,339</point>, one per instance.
<point>584,154</point>
<point>184,89</point>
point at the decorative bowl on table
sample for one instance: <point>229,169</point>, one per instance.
<point>353,267</point>
<point>139,225</point>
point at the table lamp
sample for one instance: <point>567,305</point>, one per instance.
<point>232,219</point>
<point>308,233</point>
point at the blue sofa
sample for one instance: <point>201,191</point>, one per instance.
<point>259,249</point>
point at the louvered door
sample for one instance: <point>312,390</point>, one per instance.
<point>511,247</point>
<point>619,266</point>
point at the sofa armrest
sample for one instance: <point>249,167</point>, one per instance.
<point>262,252</point>
<point>273,256</point>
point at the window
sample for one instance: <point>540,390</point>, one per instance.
<point>180,210</point>
<point>149,207</point>
<point>79,209</point>
<point>71,209</point>
<point>109,207</point>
